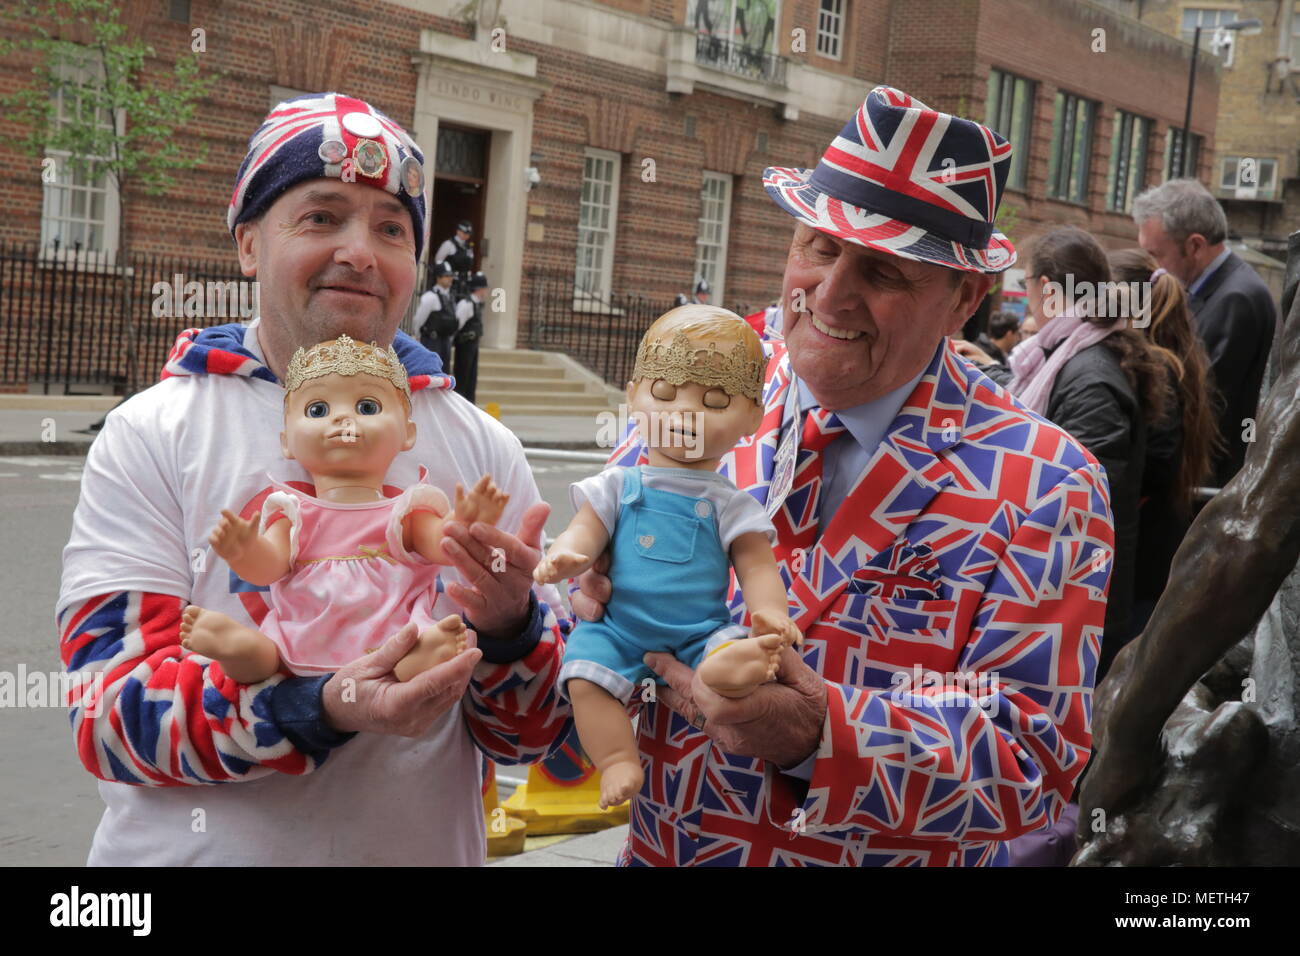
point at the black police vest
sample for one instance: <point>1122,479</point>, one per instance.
<point>462,259</point>
<point>440,323</point>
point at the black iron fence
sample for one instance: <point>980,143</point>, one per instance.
<point>600,331</point>
<point>64,318</point>
<point>751,63</point>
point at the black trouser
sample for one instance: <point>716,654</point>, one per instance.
<point>441,346</point>
<point>466,368</point>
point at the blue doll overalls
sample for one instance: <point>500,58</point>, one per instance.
<point>670,577</point>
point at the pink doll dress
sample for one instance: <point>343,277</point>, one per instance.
<point>351,584</point>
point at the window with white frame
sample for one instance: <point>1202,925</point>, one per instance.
<point>597,216</point>
<point>711,241</point>
<point>830,28</point>
<point>1248,177</point>
<point>80,206</point>
<point>1207,20</point>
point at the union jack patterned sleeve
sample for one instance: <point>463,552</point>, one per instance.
<point>514,710</point>
<point>155,718</point>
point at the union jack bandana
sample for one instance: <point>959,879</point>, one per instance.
<point>329,135</point>
<point>220,351</point>
<point>907,180</point>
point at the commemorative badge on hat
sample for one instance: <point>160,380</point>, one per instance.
<point>329,135</point>
<point>908,180</point>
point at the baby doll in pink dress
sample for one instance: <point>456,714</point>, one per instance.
<point>347,568</point>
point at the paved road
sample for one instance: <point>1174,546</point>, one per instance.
<point>49,805</point>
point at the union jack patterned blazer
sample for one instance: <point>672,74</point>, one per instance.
<point>953,605</point>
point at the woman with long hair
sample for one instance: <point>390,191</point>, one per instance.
<point>1182,446</point>
<point>1100,380</point>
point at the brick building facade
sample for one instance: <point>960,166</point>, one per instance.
<point>1255,169</point>
<point>623,141</point>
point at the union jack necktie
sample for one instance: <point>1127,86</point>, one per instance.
<point>796,520</point>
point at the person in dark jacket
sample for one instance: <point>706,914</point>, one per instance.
<point>1003,335</point>
<point>469,313</point>
<point>1181,446</point>
<point>1096,378</point>
<point>1183,227</point>
<point>435,316</point>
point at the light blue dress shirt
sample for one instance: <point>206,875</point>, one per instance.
<point>1208,271</point>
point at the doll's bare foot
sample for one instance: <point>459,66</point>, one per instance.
<point>560,565</point>
<point>736,669</point>
<point>619,783</point>
<point>247,656</point>
<point>435,645</point>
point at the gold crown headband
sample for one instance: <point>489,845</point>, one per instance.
<point>679,362</point>
<point>346,357</point>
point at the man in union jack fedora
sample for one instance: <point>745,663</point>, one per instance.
<point>946,550</point>
<point>329,214</point>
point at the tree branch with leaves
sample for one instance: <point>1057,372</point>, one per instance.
<point>90,104</point>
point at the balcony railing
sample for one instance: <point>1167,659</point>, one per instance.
<point>735,58</point>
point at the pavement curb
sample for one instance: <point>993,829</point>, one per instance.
<point>41,448</point>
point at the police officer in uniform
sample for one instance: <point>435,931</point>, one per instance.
<point>469,314</point>
<point>459,251</point>
<point>702,293</point>
<point>435,316</point>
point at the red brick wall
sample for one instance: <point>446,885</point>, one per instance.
<point>939,50</point>
<point>1141,70</point>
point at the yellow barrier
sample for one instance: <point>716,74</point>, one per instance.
<point>505,834</point>
<point>562,795</point>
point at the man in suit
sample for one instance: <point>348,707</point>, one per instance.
<point>1183,227</point>
<point>946,551</point>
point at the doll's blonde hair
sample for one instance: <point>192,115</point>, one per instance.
<point>706,345</point>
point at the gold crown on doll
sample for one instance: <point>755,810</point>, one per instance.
<point>346,357</point>
<point>679,362</point>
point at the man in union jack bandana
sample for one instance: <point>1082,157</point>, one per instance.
<point>329,214</point>
<point>947,551</point>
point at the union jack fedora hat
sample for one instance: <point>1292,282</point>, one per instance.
<point>908,180</point>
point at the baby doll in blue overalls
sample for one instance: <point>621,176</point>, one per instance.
<point>675,528</point>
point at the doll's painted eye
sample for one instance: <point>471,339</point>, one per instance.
<point>716,398</point>
<point>368,406</point>
<point>318,409</point>
<point>664,391</point>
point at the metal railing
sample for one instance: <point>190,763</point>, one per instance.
<point>63,317</point>
<point>600,331</point>
<point>719,54</point>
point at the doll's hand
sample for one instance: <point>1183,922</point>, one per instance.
<point>769,622</point>
<point>466,507</point>
<point>594,590</point>
<point>559,565</point>
<point>233,535</point>
<point>487,500</point>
